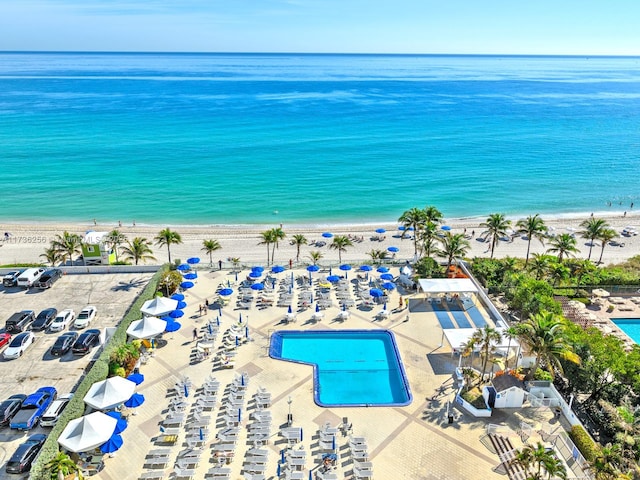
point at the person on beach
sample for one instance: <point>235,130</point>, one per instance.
<point>401,303</point>
<point>119,223</point>
<point>219,264</point>
<point>195,334</point>
<point>206,304</point>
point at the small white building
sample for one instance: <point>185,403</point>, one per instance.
<point>509,392</point>
<point>96,250</point>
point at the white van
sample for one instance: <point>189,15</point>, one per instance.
<point>29,277</point>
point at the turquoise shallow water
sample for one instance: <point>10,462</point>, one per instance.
<point>353,368</point>
<point>630,326</point>
<point>233,139</point>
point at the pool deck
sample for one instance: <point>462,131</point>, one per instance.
<point>411,442</point>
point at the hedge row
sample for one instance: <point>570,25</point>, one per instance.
<point>97,372</point>
<point>584,442</point>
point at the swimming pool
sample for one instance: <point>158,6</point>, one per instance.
<point>630,326</point>
<point>350,367</point>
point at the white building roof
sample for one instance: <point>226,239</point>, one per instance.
<point>446,285</point>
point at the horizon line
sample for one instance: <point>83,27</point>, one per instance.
<point>399,54</point>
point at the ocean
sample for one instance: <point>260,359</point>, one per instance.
<point>208,139</point>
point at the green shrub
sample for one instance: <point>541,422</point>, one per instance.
<point>583,441</point>
<point>543,376</point>
<point>99,371</point>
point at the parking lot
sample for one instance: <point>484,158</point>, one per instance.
<point>112,294</point>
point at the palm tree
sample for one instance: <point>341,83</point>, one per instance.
<point>511,333</point>
<point>168,237</point>
<point>432,214</point>
<point>453,245</point>
<point>340,243</point>
<point>67,244</point>
<point>414,218</point>
<point>558,273</point>
<point>544,335</point>
<point>61,465</point>
<point>564,245</point>
<point>605,464</point>
<point>138,249</point>
<point>429,236</point>
<point>235,261</point>
<point>539,463</point>
<point>532,227</point>
<point>298,241</point>
<point>277,234</point>
<point>267,239</point>
<point>210,246</point>
<point>496,226</point>
<point>169,282</point>
<point>115,239</point>
<point>377,255</point>
<point>606,235</point>
<point>539,265</point>
<point>315,256</point>
<point>592,229</point>
<point>52,255</point>
<point>486,338</point>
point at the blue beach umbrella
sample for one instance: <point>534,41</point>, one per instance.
<point>240,317</point>
<point>289,310</point>
<point>112,445</point>
<point>255,274</point>
<point>191,276</point>
<point>172,327</point>
<point>313,268</point>
<point>193,260</point>
<point>201,435</point>
<point>366,268</point>
<point>380,230</point>
<point>310,475</point>
<point>282,460</point>
<point>218,321</point>
<point>384,307</point>
<point>279,470</point>
<point>376,292</point>
<point>382,270</point>
<point>327,234</point>
<point>210,328</point>
<point>183,267</point>
<point>187,285</point>
<point>446,228</point>
<point>121,424</point>
<point>402,228</point>
<point>136,400</point>
<point>225,292</point>
<point>257,268</point>
<point>181,304</point>
<point>386,276</point>
<point>136,378</point>
<point>257,286</point>
<point>176,314</point>
<point>177,296</point>
<point>393,249</point>
<point>345,268</point>
<point>186,390</point>
<point>389,286</point>
<point>333,278</point>
<point>167,318</point>
<point>277,269</point>
<point>246,332</point>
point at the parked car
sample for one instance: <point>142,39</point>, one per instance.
<point>9,407</point>
<point>33,408</point>
<point>44,319</point>
<point>52,414</point>
<point>48,278</point>
<point>86,341</point>
<point>11,279</point>
<point>18,345</point>
<point>29,277</point>
<point>5,338</point>
<point>20,321</point>
<point>85,317</point>
<point>63,320</point>
<point>25,454</point>
<point>63,343</point>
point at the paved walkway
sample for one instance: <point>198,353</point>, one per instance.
<point>413,442</point>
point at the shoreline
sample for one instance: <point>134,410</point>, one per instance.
<point>29,240</point>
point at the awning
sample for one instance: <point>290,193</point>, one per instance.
<point>447,285</point>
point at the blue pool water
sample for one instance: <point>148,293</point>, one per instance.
<point>630,326</point>
<point>351,368</point>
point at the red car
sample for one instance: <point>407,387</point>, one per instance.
<point>5,338</point>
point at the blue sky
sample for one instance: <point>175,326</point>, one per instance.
<point>585,27</point>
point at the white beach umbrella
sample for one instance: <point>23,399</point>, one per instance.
<point>109,393</point>
<point>600,292</point>
<point>88,432</point>
<point>159,306</point>
<point>148,327</point>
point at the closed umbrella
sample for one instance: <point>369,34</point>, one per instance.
<point>225,292</point>
<point>317,307</point>
<point>289,310</point>
<point>112,445</point>
<point>187,285</point>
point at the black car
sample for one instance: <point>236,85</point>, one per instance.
<point>20,321</point>
<point>44,319</point>
<point>48,278</point>
<point>11,278</point>
<point>26,453</point>
<point>64,343</point>
<point>9,407</point>
<point>86,341</point>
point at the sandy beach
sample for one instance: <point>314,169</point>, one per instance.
<point>28,241</point>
